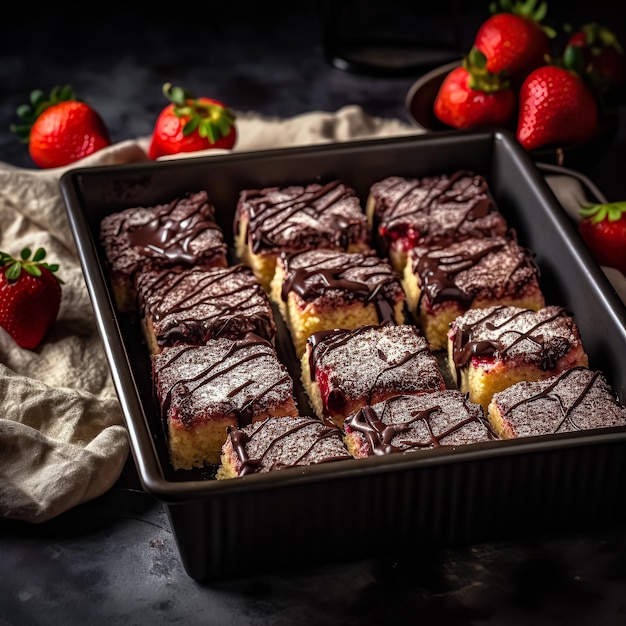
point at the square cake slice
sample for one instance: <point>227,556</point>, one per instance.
<point>343,370</point>
<point>325,289</point>
<point>180,232</point>
<point>404,212</point>
<point>412,423</point>
<point>193,305</point>
<point>443,281</point>
<point>278,444</point>
<point>204,390</point>
<point>577,399</point>
<point>491,349</point>
<point>289,219</point>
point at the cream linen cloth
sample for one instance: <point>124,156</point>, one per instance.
<point>62,434</point>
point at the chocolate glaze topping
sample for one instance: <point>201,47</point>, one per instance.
<point>365,277</point>
<point>182,232</point>
<point>302,217</point>
<point>278,443</point>
<point>358,365</point>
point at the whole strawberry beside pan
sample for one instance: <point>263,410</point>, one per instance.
<point>60,129</point>
<point>190,124</point>
<point>603,229</point>
<point>556,108</point>
<point>30,296</point>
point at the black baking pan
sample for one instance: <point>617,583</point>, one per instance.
<point>393,506</point>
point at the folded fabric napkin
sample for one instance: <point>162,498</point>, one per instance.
<point>62,434</point>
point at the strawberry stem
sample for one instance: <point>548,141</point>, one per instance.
<point>611,211</point>
<point>33,267</point>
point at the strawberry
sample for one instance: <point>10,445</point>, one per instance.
<point>603,229</point>
<point>556,108</point>
<point>471,96</point>
<point>189,124</point>
<point>602,55</point>
<point>30,297</point>
<point>514,40</point>
<point>60,129</point>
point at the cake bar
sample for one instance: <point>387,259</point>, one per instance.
<point>343,370</point>
<point>273,220</point>
<point>491,349</point>
<point>325,289</point>
<point>404,212</point>
<point>443,281</point>
<point>181,232</point>
<point>577,399</point>
<point>193,305</point>
<point>278,444</point>
<point>204,390</point>
<point>411,423</point>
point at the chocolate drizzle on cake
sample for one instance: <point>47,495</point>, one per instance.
<point>406,423</point>
<point>577,399</point>
<point>305,438</point>
<point>363,277</point>
<point>228,369</point>
<point>302,217</point>
<point>169,235</point>
<point>436,208</point>
<point>494,332</point>
<point>379,434</point>
<point>331,365</point>
<point>547,393</point>
<point>191,305</point>
<point>462,270</point>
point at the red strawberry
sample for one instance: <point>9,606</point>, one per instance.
<point>471,96</point>
<point>603,229</point>
<point>30,297</point>
<point>602,56</point>
<point>60,129</point>
<point>189,124</point>
<point>514,40</point>
<point>555,108</point>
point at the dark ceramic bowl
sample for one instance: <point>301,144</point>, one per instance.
<point>420,102</point>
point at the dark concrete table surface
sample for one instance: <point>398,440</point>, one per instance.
<point>114,560</point>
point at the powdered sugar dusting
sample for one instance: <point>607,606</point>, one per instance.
<point>193,304</point>
<point>409,423</point>
<point>370,359</point>
<point>221,377</point>
<point>577,399</point>
<point>289,442</point>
